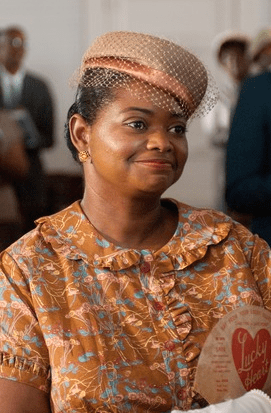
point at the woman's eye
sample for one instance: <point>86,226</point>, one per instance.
<point>178,129</point>
<point>137,124</point>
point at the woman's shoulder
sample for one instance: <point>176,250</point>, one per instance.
<point>50,231</point>
<point>209,225</point>
<point>205,227</point>
<point>187,212</point>
<point>60,220</point>
<point>201,225</point>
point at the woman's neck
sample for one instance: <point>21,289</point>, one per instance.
<point>132,223</point>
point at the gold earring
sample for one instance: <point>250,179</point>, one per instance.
<point>83,156</point>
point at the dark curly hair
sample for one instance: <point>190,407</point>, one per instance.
<point>90,100</point>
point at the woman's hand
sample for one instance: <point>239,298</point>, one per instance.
<point>21,398</point>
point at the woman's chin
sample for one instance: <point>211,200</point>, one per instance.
<point>154,190</point>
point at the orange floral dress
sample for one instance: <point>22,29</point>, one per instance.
<point>107,329</point>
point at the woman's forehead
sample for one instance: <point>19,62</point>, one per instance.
<point>128,101</point>
<point>140,94</point>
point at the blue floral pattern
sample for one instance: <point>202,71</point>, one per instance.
<point>107,329</point>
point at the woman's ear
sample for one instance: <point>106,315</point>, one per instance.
<point>79,132</point>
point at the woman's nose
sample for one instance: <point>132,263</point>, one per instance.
<point>159,141</point>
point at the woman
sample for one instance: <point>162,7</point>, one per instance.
<point>231,54</point>
<point>107,304</point>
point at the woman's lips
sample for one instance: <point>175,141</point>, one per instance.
<point>156,163</point>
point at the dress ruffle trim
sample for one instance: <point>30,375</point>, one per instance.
<point>72,235</point>
<point>183,321</point>
<point>22,364</point>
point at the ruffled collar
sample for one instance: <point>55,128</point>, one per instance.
<point>71,234</point>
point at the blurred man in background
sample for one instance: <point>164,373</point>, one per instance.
<point>27,99</point>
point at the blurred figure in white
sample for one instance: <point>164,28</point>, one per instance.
<point>231,54</point>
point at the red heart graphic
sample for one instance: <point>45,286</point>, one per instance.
<point>251,357</point>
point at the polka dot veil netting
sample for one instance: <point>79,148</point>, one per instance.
<point>151,68</point>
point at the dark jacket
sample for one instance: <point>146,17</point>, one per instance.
<point>37,99</point>
<point>248,160</point>
<point>32,191</point>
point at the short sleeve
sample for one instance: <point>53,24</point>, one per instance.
<point>261,266</point>
<point>258,255</point>
<point>23,353</point>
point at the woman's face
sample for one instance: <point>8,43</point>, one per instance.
<point>136,148</point>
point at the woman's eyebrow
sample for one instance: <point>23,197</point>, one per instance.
<point>179,115</point>
<point>138,109</point>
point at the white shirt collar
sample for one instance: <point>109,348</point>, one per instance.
<point>16,79</point>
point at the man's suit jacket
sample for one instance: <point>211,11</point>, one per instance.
<point>37,99</point>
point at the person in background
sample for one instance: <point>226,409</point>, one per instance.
<point>107,304</point>
<point>260,52</point>
<point>28,100</point>
<point>230,51</point>
<point>231,54</point>
<point>248,165</point>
